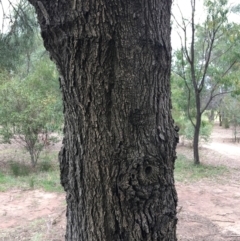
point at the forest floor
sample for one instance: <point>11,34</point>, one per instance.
<point>208,209</point>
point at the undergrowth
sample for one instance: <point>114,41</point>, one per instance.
<point>187,171</point>
<point>22,176</point>
<point>46,174</point>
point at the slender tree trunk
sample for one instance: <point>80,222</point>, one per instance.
<point>119,143</point>
<point>220,118</point>
<point>197,130</point>
<point>33,161</point>
<point>196,142</point>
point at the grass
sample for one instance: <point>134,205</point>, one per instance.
<point>17,173</point>
<point>39,230</point>
<point>48,181</point>
<point>46,175</point>
<point>21,175</point>
<point>186,171</point>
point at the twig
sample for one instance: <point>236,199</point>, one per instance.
<point>231,235</point>
<point>225,221</point>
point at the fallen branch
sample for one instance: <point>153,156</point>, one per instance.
<point>225,221</point>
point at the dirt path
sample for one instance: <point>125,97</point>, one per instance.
<point>210,210</point>
<point>221,141</point>
<point>207,210</point>
<point>32,215</point>
<point>34,204</point>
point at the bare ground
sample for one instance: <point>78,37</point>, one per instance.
<point>208,210</point>
<point>32,215</point>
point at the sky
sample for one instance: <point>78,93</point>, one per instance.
<point>4,13</point>
<point>185,9</point>
<point>186,12</point>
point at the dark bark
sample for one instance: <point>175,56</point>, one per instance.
<point>197,127</point>
<point>119,143</point>
<point>220,118</point>
<point>196,143</point>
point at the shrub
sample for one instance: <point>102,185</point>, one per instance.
<point>45,166</point>
<point>19,169</point>
<point>30,110</point>
<point>205,130</point>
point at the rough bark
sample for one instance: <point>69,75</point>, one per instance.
<point>117,160</point>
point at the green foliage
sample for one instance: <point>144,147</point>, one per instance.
<point>236,9</point>
<point>45,166</point>
<point>31,183</point>
<point>30,102</point>
<point>181,107</point>
<point>19,41</point>
<point>30,109</point>
<point>206,64</point>
<point>229,109</point>
<point>48,181</point>
<point>19,169</point>
<point>187,129</point>
<point>4,181</point>
<point>230,105</point>
<point>186,171</point>
<point>205,130</point>
<point>51,182</point>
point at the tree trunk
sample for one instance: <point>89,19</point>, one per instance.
<point>197,130</point>
<point>119,144</point>
<point>220,118</point>
<point>32,156</point>
<point>196,142</point>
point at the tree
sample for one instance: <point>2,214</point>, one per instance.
<point>229,109</point>
<point>118,153</point>
<point>29,110</point>
<point>205,61</point>
<point>18,40</point>
<point>181,110</point>
<point>29,92</point>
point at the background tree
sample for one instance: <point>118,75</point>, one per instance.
<point>182,109</point>
<point>30,104</point>
<point>29,112</point>
<point>205,61</point>
<point>229,110</point>
<point>18,37</point>
<point>118,152</point>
